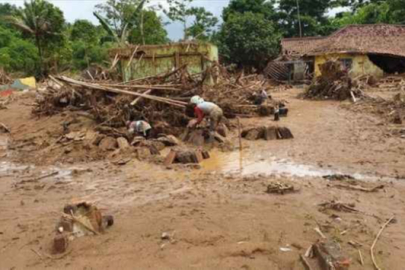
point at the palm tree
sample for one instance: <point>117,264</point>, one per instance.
<point>38,19</point>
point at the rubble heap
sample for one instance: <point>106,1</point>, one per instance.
<point>159,99</point>
<point>392,110</point>
<point>334,83</point>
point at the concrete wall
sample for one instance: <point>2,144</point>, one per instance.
<point>154,60</point>
<point>361,64</point>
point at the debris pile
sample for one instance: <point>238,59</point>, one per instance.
<point>78,220</point>
<point>334,83</point>
<point>392,110</point>
<point>280,188</point>
<point>267,133</point>
<point>337,206</point>
<point>160,98</point>
<point>330,256</point>
<point>391,83</point>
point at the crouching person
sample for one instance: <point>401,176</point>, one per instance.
<point>204,109</point>
<point>139,128</point>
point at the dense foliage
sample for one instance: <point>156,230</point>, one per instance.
<point>249,39</point>
<point>36,40</point>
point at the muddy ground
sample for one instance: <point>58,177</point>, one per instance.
<point>217,216</point>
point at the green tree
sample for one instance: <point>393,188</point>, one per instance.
<point>120,17</point>
<point>249,40</point>
<point>85,31</point>
<point>397,9</point>
<point>5,11</point>
<point>255,6</point>
<point>153,27</point>
<point>304,17</point>
<point>86,44</point>
<point>203,25</point>
<point>390,12</point>
<point>16,54</point>
<point>42,21</point>
<point>179,10</point>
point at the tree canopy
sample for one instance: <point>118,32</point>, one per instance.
<point>36,39</point>
<point>249,39</point>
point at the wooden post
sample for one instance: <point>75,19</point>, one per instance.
<point>240,135</point>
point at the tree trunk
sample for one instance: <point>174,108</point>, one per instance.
<point>142,30</point>
<point>41,59</point>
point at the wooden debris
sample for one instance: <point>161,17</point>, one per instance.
<point>318,230</point>
<point>338,206</point>
<point>280,188</point>
<point>334,83</point>
<point>359,188</point>
<point>310,252</point>
<point>375,242</point>
<point>361,257</point>
<point>330,256</point>
<point>4,128</point>
<point>307,265</point>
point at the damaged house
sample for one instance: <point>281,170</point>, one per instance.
<point>151,60</point>
<point>374,50</point>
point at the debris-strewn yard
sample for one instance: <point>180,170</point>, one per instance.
<point>259,208</point>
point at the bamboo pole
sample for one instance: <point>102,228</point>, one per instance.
<point>133,103</point>
<point>177,103</point>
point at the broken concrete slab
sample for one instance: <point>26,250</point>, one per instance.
<point>122,143</point>
<point>169,140</point>
<point>223,130</point>
<point>253,134</point>
<point>185,157</point>
<point>108,144</point>
<point>270,133</point>
<point>267,133</point>
<point>284,133</point>
<point>170,158</point>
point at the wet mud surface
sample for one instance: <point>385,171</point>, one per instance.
<point>218,216</point>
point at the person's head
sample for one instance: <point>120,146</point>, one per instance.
<point>195,100</point>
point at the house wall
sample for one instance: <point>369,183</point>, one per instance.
<point>361,64</point>
<point>154,60</point>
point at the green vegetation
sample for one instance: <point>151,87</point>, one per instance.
<point>36,40</point>
<point>249,39</point>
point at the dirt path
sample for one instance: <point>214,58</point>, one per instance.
<point>218,217</point>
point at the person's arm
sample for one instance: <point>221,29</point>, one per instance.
<point>200,115</point>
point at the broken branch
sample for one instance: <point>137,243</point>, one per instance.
<point>375,242</point>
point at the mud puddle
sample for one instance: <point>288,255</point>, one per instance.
<point>245,164</point>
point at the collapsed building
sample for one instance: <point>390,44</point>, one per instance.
<point>374,50</point>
